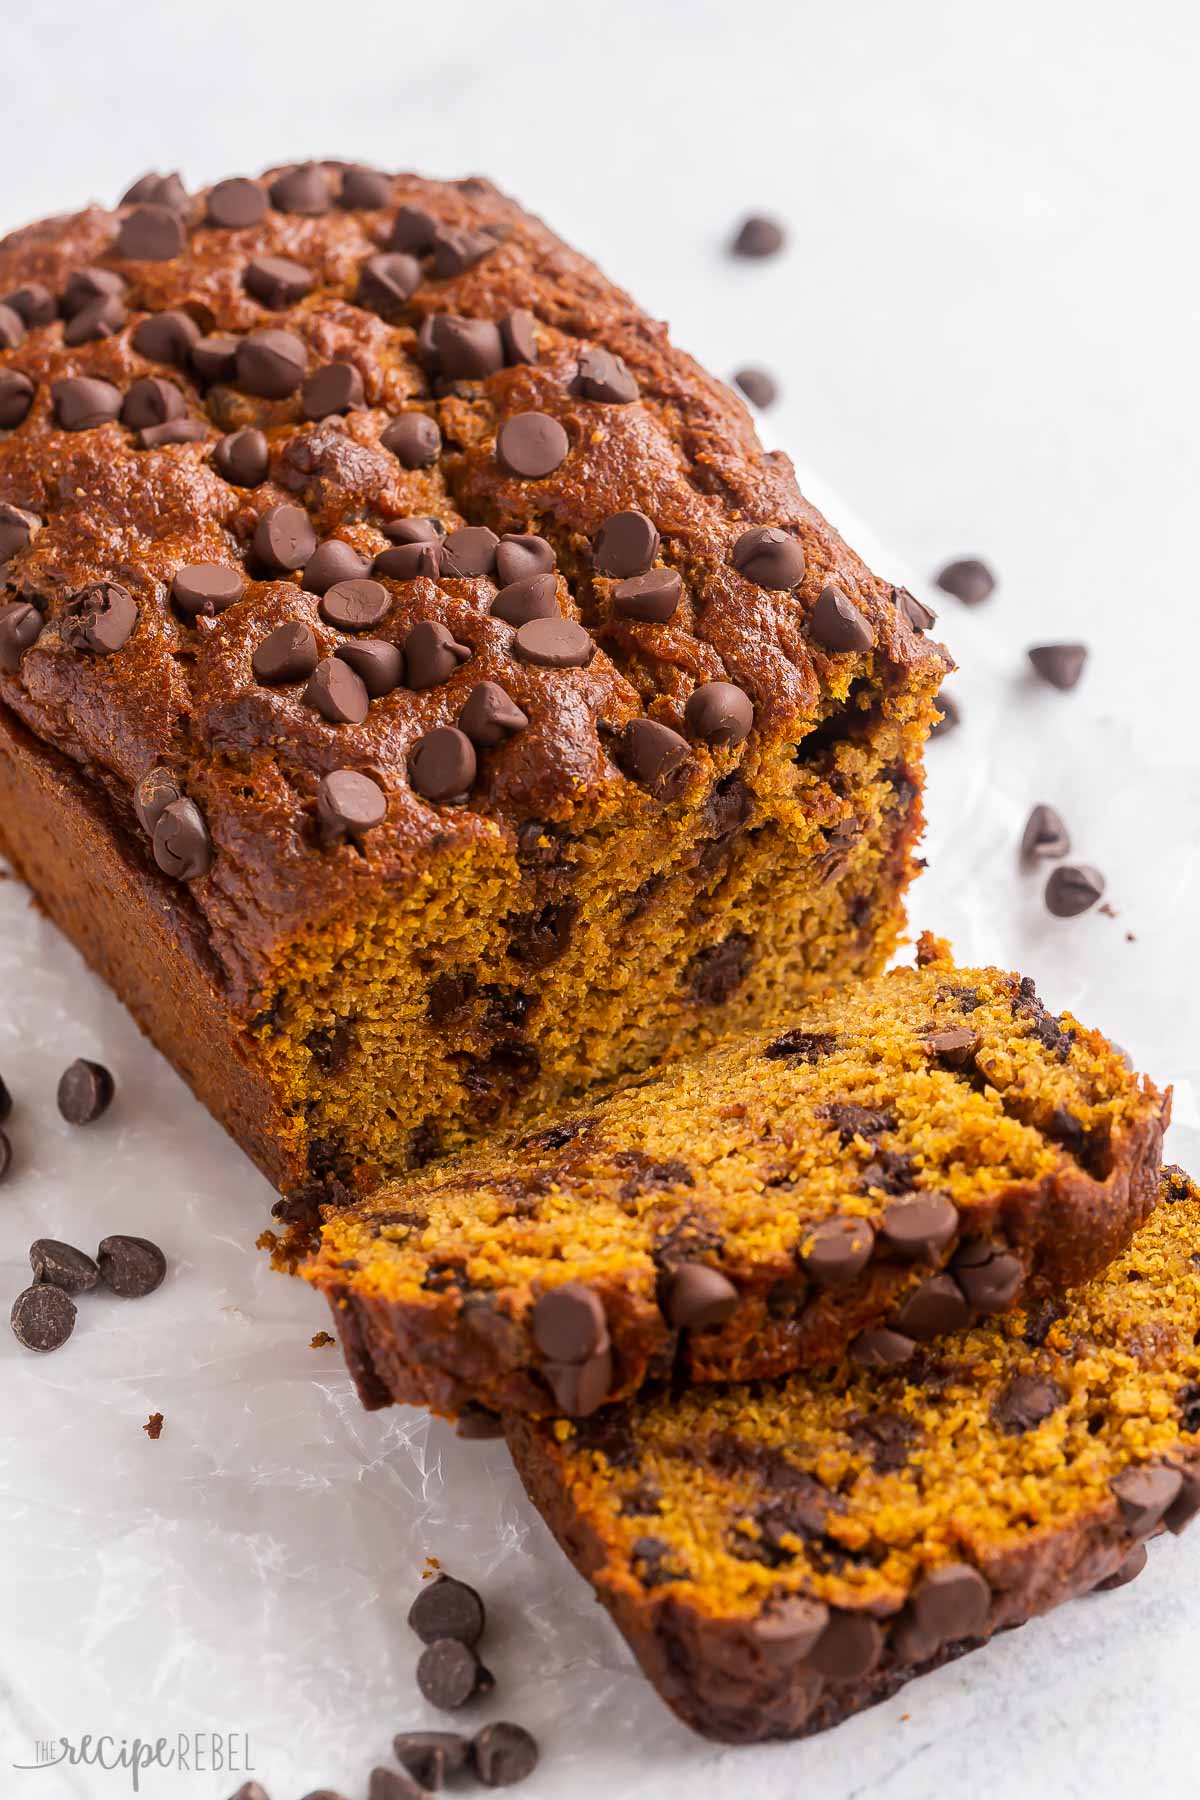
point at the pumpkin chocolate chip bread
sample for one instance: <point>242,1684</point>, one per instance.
<point>910,1153</point>
<point>782,1555</point>
<point>420,694</point>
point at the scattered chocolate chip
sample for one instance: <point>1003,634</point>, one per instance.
<point>18,529</point>
<point>1127,1571</point>
<point>171,431</point>
<point>406,561</point>
<point>337,693</point>
<point>1071,889</point>
<point>990,1278</point>
<point>100,619</point>
<point>270,363</point>
<point>349,803</point>
<point>446,1608</point>
<point>951,716</point>
<point>442,765</point>
<point>769,557</point>
<point>34,304</point>
<point>335,388</point>
<point>518,332</point>
<point>243,457</point>
<point>355,605</point>
<point>719,713</point>
<point>182,846</point>
<point>206,588</point>
<point>167,337</point>
<point>449,1674</point>
<point>131,1267</point>
<point>214,358</point>
<point>654,756</point>
<point>568,1323</point>
<point>62,1266</point>
<point>1145,1494</point>
<point>837,1250</point>
<point>503,1754</point>
<point>429,1756</point>
<point>530,597</point>
<point>234,204</point>
<point>836,623</point>
<point>490,715</point>
<point>456,249</point>
<point>158,190</point>
<point>758,236</point>
<point>522,555</point>
<point>602,376</point>
<point>42,1317</point>
<point>918,1228</point>
<point>627,544</point>
<point>304,190</point>
<point>1044,835</point>
<point>698,1295</point>
<point>881,1348</point>
<point>153,794</point>
<point>387,282</point>
<point>531,445</point>
<point>86,285</point>
<point>391,1784</point>
<point>12,328</point>
<point>469,551</point>
<point>378,664</point>
<point>277,281</point>
<point>461,349</point>
<point>968,580</point>
<point>432,654</point>
<point>416,531</point>
<point>919,616</point>
<point>955,1045</point>
<point>952,1603</point>
<point>289,653</point>
<point>20,626</point>
<point>284,538</point>
<point>151,234</point>
<point>366,188</point>
<point>16,398</point>
<point>652,597</point>
<point>102,319</point>
<point>1026,1401</point>
<point>937,1306</point>
<point>848,1648</point>
<point>554,644</point>
<point>413,439</point>
<point>413,230</point>
<point>82,402</point>
<point>1059,664</point>
<point>760,388</point>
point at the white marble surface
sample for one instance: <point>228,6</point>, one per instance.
<point>984,330</point>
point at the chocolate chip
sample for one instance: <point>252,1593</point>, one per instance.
<point>304,190</point>
<point>172,431</point>
<point>387,282</point>
<point>968,580</point>
<point>18,529</point>
<point>478,1424</point>
<point>848,1648</point>
<point>769,557</point>
<point>1059,664</point>
<point>366,188</point>
<point>719,713</point>
<point>919,616</point>
<point>760,388</point>
<point>1185,1507</point>
<point>390,1784</point>
<point>99,619</point>
<point>20,626</point>
<point>652,597</point>
<point>81,402</point>
<point>521,555</point>
<point>627,544</point>
<point>955,1045</point>
<point>952,1603</point>
<point>951,716</point>
<point>758,236</point>
<point>1145,1494</point>
<point>1026,1401</point>
<point>429,1756</point>
<point>446,1608</point>
<point>349,803</point>
<point>182,846</point>
<point>131,1267</point>
<point>441,765</point>
<point>789,1627</point>
<point>432,654</point>
<point>462,349</point>
<point>277,281</point>
<point>151,401</point>
<point>881,1348</point>
<point>490,715</point>
<point>503,1754</point>
<point>568,1323</point>
<point>1127,1571</point>
<point>206,588</point>
<point>62,1266</point>
<point>167,337</point>
<point>337,693</point>
<point>332,562</point>
<point>16,398</point>
<point>378,664</point>
<point>602,376</point>
<point>151,234</point>
<point>580,1389</point>
<point>102,319</point>
<point>937,1306</point>
<point>214,358</point>
<point>86,285</point>
<point>284,538</point>
<point>355,605</point>
<point>836,623</point>
<point>243,457</point>
<point>1044,835</point>
<point>456,249</point>
<point>12,328</point>
<point>796,1047</point>
<point>34,304</point>
<point>531,445</point>
<point>918,1228</point>
<point>698,1295</point>
<point>1071,889</point>
<point>42,1317</point>
<point>6,1154</point>
<point>5,1101</point>
<point>413,230</point>
<point>414,440</point>
<point>837,1250</point>
<point>407,561</point>
<point>518,332</point>
<point>85,1092</point>
<point>470,550</point>
<point>553,644</point>
<point>335,388</point>
<point>270,363</point>
<point>449,1674</point>
<point>153,794</point>
<point>654,756</point>
<point>289,653</point>
<point>159,190</point>
<point>234,204</point>
<point>990,1278</point>
<point>530,597</point>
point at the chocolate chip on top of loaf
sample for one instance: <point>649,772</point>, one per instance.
<point>916,1152</point>
<point>449,700</point>
<point>782,1556</point>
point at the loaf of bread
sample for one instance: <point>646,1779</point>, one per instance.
<point>782,1556</point>
<point>420,695</point>
<point>908,1154</point>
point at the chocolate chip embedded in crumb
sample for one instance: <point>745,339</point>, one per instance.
<point>456,249</point>
<point>1145,1494</point>
<point>432,654</point>
<point>365,188</point>
<point>16,398</point>
<point>413,230</point>
<point>490,716</point>
<point>429,1756</point>
<point>470,550</point>
<point>12,328</point>
<point>654,756</point>
<point>442,764</point>
<point>270,363</point>
<point>1127,1571</point>
<point>62,1266</point>
<point>214,358</point>
<point>289,653</point>
<point>85,1092</point>
<point>568,1323</point>
<point>20,626</point>
<point>522,554</point>
<point>449,1674</point>
<point>34,303</point>
<point>1044,835</point>
<point>952,1603</point>
<point>349,803</point>
<point>602,376</point>
<point>131,1266</point>
<point>378,664</point>
<point>413,439</point>
<point>518,330</point>
<point>335,388</point>
<point>1186,1505</point>
<point>1026,1401</point>
<point>284,539</point>
<point>277,281</point>
<point>554,644</point>
<point>837,1250</point>
<point>990,1278</point>
<point>937,1306</point>
<point>918,1228</point>
<point>18,528</point>
<point>699,1296</point>
<point>167,337</point>
<point>206,588</point>
<point>478,1424</point>
<point>503,1754</point>
<point>1059,664</point>
<point>181,842</point>
<point>880,1348</point>
<point>462,349</point>
<point>1072,889</point>
<point>719,713</point>
<point>243,457</point>
<point>848,1648</point>
<point>42,1317</point>
<point>758,236</point>
<point>837,624</point>
<point>446,1608</point>
<point>768,557</point>
<point>159,190</point>
<point>151,234</point>
<point>355,605</point>
<point>955,1045</point>
<point>531,445</point>
<point>337,693</point>
<point>82,402</point>
<point>304,190</point>
<point>919,616</point>
<point>579,1389</point>
<point>234,204</point>
<point>626,544</point>
<point>529,597</point>
<point>102,319</point>
<point>387,282</point>
<point>788,1628</point>
<point>653,598</point>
